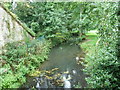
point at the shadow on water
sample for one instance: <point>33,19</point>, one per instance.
<point>64,58</point>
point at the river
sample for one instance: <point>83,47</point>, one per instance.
<point>63,57</point>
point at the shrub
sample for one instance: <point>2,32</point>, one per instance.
<point>20,60</point>
<point>103,66</point>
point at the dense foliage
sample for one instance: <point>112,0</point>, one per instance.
<point>56,21</point>
<point>70,21</point>
<point>19,60</point>
<point>103,67</point>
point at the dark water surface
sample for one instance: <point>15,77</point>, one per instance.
<point>63,57</point>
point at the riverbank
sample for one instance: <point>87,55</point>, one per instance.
<point>23,60</point>
<point>67,60</point>
<point>89,44</point>
<point>89,48</point>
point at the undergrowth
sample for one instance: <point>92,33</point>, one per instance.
<point>89,44</point>
<point>18,60</point>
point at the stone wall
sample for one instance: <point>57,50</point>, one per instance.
<point>11,29</point>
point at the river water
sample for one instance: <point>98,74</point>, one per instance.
<point>63,57</point>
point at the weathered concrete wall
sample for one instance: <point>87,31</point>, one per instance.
<point>10,29</point>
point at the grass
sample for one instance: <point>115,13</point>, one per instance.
<point>90,44</point>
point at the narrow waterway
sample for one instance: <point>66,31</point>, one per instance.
<point>63,57</point>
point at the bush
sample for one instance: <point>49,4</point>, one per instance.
<point>56,21</point>
<point>20,60</point>
<point>103,66</point>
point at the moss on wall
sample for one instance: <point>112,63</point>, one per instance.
<point>19,22</point>
<point>8,24</point>
<point>12,29</point>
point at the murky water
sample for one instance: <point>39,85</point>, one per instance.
<point>63,57</point>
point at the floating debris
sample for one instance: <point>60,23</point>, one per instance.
<point>66,72</point>
<point>35,73</point>
<point>54,69</point>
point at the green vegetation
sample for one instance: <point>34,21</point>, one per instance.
<point>21,59</point>
<point>103,64</point>
<point>59,22</point>
<point>89,45</point>
<point>67,22</point>
<point>16,19</point>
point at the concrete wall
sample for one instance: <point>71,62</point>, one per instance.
<point>10,29</point>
